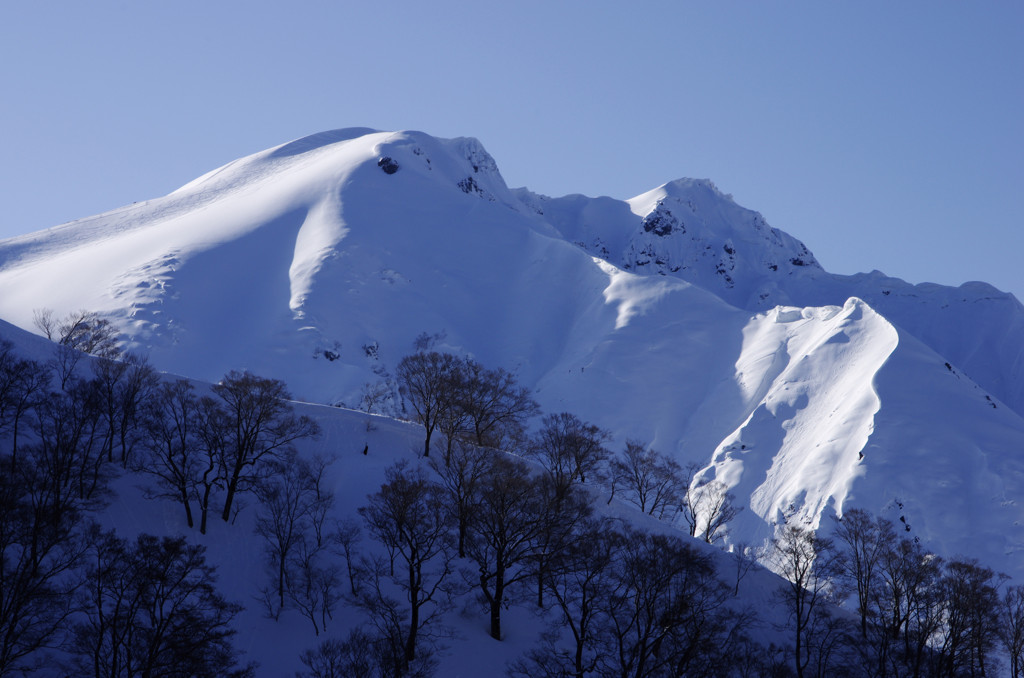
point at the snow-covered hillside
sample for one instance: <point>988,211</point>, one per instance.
<point>677,318</point>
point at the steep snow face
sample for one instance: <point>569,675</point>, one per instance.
<point>324,261</point>
<point>689,230</point>
<point>807,378</point>
<point>841,409</point>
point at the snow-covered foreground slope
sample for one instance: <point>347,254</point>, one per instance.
<point>322,262</point>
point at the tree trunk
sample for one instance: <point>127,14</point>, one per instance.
<point>414,623</point>
<point>280,585</point>
<point>188,507</point>
<point>496,619</point>
<point>496,600</point>
<point>232,486</point>
<point>205,509</point>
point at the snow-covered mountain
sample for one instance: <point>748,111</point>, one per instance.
<point>677,317</point>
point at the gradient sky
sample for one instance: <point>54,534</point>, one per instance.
<point>885,135</point>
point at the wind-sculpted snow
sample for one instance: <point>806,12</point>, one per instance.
<point>807,378</point>
<point>689,230</point>
<point>677,318</point>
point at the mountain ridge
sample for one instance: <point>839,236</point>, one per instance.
<point>324,260</point>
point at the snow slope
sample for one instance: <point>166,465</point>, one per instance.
<point>690,230</point>
<point>678,318</point>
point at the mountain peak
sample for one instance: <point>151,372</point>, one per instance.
<point>325,260</point>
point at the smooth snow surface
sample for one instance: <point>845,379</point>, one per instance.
<point>678,318</point>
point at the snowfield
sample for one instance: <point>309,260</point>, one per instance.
<point>677,318</point>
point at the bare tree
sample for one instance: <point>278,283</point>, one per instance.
<point>570,449</point>
<point>262,426</point>
<point>425,380</point>
<point>409,517</point>
<point>76,334</point>
<point>88,332</point>
<point>866,542</point>
<point>708,507</point>
<point>562,511</point>
<point>151,609</point>
<point>345,537</point>
<point>134,389</point>
<point>580,581</point>
<point>665,612</point>
<point>910,607</point>
<point>353,657</point>
<point>497,406</point>
<point>23,384</point>
<point>315,583</point>
<point>648,479</point>
<point>1011,615</point>
<point>461,476</point>
<point>293,506</point>
<point>68,451</point>
<point>810,565</point>
<point>453,420</point>
<point>174,448</point>
<point>971,621</point>
<point>41,552</point>
<point>744,558</point>
<point>504,524</point>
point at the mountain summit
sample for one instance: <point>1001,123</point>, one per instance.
<point>677,318</point>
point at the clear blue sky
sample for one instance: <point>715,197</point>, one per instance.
<point>884,135</point>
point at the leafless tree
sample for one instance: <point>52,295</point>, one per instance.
<point>261,426</point>
<point>151,609</point>
<point>562,511</point>
<point>497,406</point>
<point>810,564</point>
<point>970,630</point>
<point>426,380</point>
<point>666,613</point>
<point>908,601</point>
<point>1011,616</point>
<point>570,449</point>
<point>461,475</point>
<point>409,517</point>
<point>708,507</point>
<point>453,420</point>
<point>378,397</point>
<point>23,385</point>
<point>172,443</point>
<point>744,558</point>
<point>580,581</point>
<point>69,432</point>
<point>865,542</point>
<point>76,334</point>
<point>349,658</point>
<point>123,385</point>
<point>504,525</point>
<point>344,538</point>
<point>648,479</point>
<point>38,571</point>
<point>214,432</point>
<point>293,506</point>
